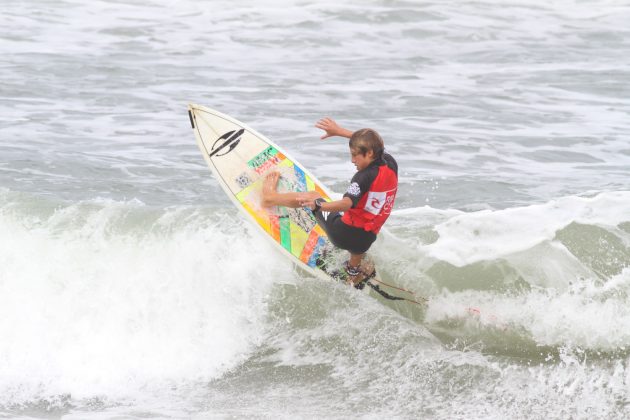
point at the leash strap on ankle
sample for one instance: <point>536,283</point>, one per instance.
<point>350,270</point>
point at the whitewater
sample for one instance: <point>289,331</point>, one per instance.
<point>130,287</point>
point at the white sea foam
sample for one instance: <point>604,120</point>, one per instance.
<point>488,235</point>
<point>553,274</point>
<point>88,310</point>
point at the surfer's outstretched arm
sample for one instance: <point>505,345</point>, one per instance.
<point>332,129</point>
<point>271,196</point>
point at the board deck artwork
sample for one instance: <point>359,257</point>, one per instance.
<point>240,158</point>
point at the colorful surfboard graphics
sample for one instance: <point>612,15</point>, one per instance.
<point>240,158</point>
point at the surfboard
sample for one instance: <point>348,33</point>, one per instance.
<point>240,158</point>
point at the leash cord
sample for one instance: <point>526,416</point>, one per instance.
<point>386,295</point>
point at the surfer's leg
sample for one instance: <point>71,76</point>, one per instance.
<point>271,196</point>
<point>353,268</point>
<point>356,241</point>
<point>355,260</point>
<point>327,221</point>
<point>359,267</point>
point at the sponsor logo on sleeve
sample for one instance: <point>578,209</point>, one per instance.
<point>354,189</point>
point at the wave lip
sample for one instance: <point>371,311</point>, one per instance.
<point>488,235</point>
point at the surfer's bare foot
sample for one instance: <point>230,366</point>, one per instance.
<point>359,269</point>
<point>270,186</point>
<point>355,276</point>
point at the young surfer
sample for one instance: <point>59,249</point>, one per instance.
<point>353,222</point>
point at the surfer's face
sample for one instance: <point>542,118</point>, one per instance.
<point>361,161</point>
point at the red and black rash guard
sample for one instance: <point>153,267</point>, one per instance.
<point>372,191</point>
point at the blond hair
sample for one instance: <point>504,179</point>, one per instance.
<point>366,139</point>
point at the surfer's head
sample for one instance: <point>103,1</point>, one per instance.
<point>366,145</point>
<point>366,140</point>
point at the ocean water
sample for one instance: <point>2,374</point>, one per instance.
<point>130,288</point>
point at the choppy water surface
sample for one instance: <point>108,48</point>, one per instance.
<point>130,288</point>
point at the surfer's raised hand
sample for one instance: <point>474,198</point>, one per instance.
<point>332,129</point>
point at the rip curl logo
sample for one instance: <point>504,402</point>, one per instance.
<point>226,143</point>
<point>375,201</point>
<point>380,201</point>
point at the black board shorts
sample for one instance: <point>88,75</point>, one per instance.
<point>353,239</point>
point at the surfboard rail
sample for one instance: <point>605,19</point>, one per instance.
<point>240,157</point>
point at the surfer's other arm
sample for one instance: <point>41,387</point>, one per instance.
<point>271,196</point>
<point>340,205</point>
<point>332,129</point>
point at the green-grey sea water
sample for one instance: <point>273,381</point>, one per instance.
<point>130,287</point>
